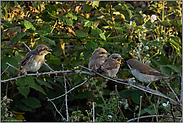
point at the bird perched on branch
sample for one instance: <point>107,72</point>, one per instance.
<point>34,59</point>
<point>111,66</point>
<point>145,73</point>
<point>98,58</point>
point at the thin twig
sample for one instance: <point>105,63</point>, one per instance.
<point>172,112</point>
<point>152,116</point>
<point>156,113</point>
<point>44,61</point>
<point>14,67</point>
<point>66,105</point>
<point>172,90</point>
<point>93,112</point>
<point>140,108</point>
<point>117,99</point>
<point>5,70</point>
<point>72,89</point>
<point>56,109</point>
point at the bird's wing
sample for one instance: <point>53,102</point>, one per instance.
<point>109,64</point>
<point>148,70</point>
<point>27,57</point>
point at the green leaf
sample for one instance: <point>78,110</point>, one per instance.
<point>102,36</point>
<point>23,107</point>
<point>17,37</point>
<point>80,33</point>
<point>165,70</point>
<point>45,30</point>
<point>4,13</point>
<point>85,94</point>
<point>91,45</point>
<point>125,93</point>
<point>31,102</point>
<point>87,7</point>
<point>71,16</point>
<point>175,68</point>
<point>164,60</point>
<point>22,82</point>
<point>96,32</point>
<point>88,23</point>
<point>24,90</point>
<point>149,110</point>
<point>48,40</point>
<point>36,87</point>
<point>66,21</point>
<point>133,24</point>
<point>95,4</point>
<point>29,25</point>
<point>41,82</point>
<point>136,96</point>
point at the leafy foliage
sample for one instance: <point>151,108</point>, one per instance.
<point>73,30</point>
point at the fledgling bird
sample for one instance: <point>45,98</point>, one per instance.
<point>98,58</point>
<point>35,58</point>
<point>145,73</point>
<point>111,66</point>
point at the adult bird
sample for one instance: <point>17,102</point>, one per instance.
<point>145,73</point>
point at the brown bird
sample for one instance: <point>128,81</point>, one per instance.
<point>35,58</point>
<point>145,73</point>
<point>111,66</point>
<point>98,58</point>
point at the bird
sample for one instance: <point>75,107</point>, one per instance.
<point>145,73</point>
<point>111,66</point>
<point>98,58</point>
<point>34,59</point>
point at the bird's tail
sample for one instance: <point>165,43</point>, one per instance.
<point>172,76</point>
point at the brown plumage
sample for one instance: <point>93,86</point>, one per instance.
<point>145,73</point>
<point>35,58</point>
<point>111,66</point>
<point>98,58</point>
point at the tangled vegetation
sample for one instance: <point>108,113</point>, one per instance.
<point>148,31</point>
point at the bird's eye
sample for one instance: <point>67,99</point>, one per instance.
<point>44,48</point>
<point>102,52</point>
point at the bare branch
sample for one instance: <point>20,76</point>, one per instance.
<point>14,67</point>
<point>156,113</point>
<point>140,108</point>
<point>93,112</point>
<point>5,70</point>
<point>66,105</point>
<point>56,109</point>
<point>72,89</point>
<point>172,91</point>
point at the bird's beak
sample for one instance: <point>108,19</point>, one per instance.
<point>48,51</point>
<point>119,60</point>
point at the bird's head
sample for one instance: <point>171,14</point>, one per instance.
<point>43,49</point>
<point>116,57</point>
<point>100,52</point>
